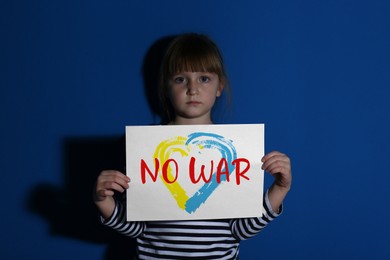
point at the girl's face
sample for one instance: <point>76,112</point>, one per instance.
<point>193,95</point>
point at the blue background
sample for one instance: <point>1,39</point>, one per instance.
<point>74,73</point>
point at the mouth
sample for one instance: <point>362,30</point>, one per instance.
<point>193,103</point>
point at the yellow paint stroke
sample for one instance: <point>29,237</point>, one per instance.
<point>163,152</point>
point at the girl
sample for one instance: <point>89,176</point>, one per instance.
<point>192,77</point>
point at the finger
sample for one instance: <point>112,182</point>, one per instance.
<point>278,167</point>
<point>114,176</point>
<point>271,154</point>
<point>105,193</point>
<point>113,185</point>
<point>275,159</point>
<point>108,189</point>
<point>113,173</point>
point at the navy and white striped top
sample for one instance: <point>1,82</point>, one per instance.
<point>193,239</point>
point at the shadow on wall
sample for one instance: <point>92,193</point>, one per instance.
<point>150,71</point>
<point>70,210</point>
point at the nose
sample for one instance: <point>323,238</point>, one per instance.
<point>192,88</point>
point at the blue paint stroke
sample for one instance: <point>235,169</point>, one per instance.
<point>228,152</point>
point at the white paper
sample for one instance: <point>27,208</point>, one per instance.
<point>232,183</point>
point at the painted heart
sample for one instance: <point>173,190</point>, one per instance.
<point>183,146</point>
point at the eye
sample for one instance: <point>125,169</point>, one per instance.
<point>179,79</point>
<point>204,79</point>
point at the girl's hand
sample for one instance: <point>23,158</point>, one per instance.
<point>278,165</point>
<point>108,183</point>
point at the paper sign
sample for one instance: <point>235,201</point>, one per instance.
<point>194,171</point>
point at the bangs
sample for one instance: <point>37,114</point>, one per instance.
<point>194,62</point>
<point>195,56</point>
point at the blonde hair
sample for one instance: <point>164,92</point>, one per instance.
<point>189,52</point>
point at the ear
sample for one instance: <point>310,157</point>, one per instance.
<point>220,89</point>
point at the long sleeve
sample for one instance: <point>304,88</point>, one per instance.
<point>118,222</point>
<point>245,228</point>
<point>194,239</point>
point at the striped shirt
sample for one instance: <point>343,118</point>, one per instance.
<point>192,239</point>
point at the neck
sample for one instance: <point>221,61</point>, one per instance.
<point>191,121</point>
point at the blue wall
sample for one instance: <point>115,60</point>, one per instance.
<point>315,72</point>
